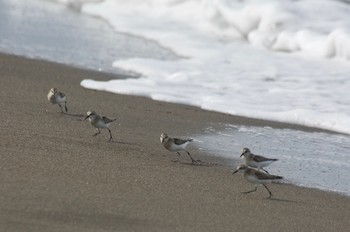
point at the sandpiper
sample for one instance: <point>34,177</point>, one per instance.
<point>56,97</point>
<point>99,122</point>
<point>256,161</point>
<point>176,145</point>
<point>257,177</point>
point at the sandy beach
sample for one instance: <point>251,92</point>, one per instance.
<point>55,176</point>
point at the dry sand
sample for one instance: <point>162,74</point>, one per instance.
<point>55,176</point>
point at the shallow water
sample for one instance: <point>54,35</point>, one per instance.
<point>310,159</point>
<point>55,32</point>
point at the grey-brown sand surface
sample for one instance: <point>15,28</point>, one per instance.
<point>55,176</point>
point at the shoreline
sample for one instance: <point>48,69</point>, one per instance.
<point>55,176</point>
<point>251,121</point>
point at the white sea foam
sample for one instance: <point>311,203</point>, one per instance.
<point>231,57</point>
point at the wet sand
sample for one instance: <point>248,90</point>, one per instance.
<point>55,176</point>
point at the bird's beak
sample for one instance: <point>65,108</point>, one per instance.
<point>242,154</point>
<point>87,117</point>
<point>235,172</point>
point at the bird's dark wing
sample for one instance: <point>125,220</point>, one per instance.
<point>264,176</point>
<point>107,120</point>
<point>181,141</point>
<point>259,158</point>
<point>62,95</point>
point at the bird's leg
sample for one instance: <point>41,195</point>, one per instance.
<point>61,108</point>
<point>65,106</point>
<point>193,161</point>
<point>268,191</point>
<point>251,190</point>
<point>98,132</point>
<point>178,158</point>
<point>110,133</point>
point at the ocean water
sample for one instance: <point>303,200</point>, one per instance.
<point>284,61</point>
<point>59,33</point>
<point>311,159</point>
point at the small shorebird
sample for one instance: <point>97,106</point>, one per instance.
<point>257,177</point>
<point>56,97</point>
<point>176,145</point>
<point>99,122</point>
<point>256,161</point>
